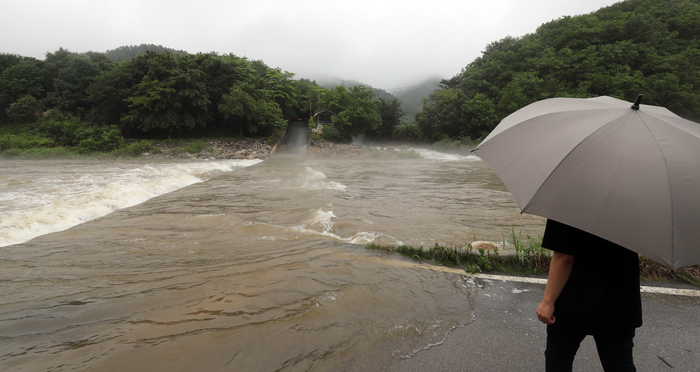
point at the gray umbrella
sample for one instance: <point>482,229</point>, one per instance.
<point>627,173</point>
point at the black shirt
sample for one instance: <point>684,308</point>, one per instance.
<point>603,288</point>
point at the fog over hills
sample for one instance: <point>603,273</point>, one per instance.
<point>409,94</point>
<point>412,94</point>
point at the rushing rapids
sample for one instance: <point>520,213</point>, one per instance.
<point>237,266</point>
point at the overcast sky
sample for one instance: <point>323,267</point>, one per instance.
<point>385,43</point>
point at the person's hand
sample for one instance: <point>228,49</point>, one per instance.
<point>545,313</point>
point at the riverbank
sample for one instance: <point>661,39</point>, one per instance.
<point>259,148</point>
<point>525,257</point>
<point>247,148</point>
<point>326,149</point>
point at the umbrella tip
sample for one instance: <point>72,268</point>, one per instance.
<point>635,106</point>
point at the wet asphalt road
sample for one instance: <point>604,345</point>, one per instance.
<point>506,335</point>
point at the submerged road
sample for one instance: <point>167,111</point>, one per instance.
<point>506,335</point>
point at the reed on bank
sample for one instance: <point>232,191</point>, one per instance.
<point>527,257</point>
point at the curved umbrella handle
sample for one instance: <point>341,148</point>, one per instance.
<point>635,106</point>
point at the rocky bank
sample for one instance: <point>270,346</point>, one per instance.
<point>249,148</point>
<point>325,149</point>
<point>258,148</point>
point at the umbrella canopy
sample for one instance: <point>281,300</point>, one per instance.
<point>627,173</point>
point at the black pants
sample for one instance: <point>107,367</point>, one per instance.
<point>614,347</point>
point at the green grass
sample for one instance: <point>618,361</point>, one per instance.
<point>529,252</point>
<point>135,149</point>
<point>194,147</point>
<point>530,257</point>
<point>689,279</point>
<point>39,153</point>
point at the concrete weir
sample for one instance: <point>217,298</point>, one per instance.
<point>294,141</point>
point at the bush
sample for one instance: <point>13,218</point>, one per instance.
<point>25,110</point>
<point>134,149</point>
<point>38,153</point>
<point>194,147</point>
<point>65,130</point>
<point>12,141</point>
<point>406,133</point>
<point>70,131</point>
<point>88,145</point>
<point>111,138</point>
<point>11,153</point>
<point>331,133</point>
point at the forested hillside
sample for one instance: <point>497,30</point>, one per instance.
<point>649,47</point>
<point>332,82</point>
<point>88,97</point>
<point>131,51</point>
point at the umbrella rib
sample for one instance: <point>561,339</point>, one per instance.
<point>668,175</point>
<point>612,180</point>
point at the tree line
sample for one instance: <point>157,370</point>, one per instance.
<point>633,47</point>
<point>132,51</point>
<point>648,47</point>
<point>157,95</point>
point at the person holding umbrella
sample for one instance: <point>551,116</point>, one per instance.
<point>614,181</point>
<point>589,293</point>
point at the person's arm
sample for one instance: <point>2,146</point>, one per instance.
<point>559,271</point>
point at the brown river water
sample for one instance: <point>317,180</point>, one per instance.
<point>257,268</point>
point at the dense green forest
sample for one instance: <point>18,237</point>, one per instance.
<point>649,47</point>
<point>93,101</point>
<point>88,97</point>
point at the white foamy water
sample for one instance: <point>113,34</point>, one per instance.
<point>322,223</point>
<point>39,199</point>
<point>318,180</point>
<point>434,155</point>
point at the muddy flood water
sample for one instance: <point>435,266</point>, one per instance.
<point>223,266</point>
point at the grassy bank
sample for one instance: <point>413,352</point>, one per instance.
<point>64,136</point>
<point>129,150</point>
<point>528,258</point>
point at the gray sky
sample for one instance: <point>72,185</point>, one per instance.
<point>385,43</point>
